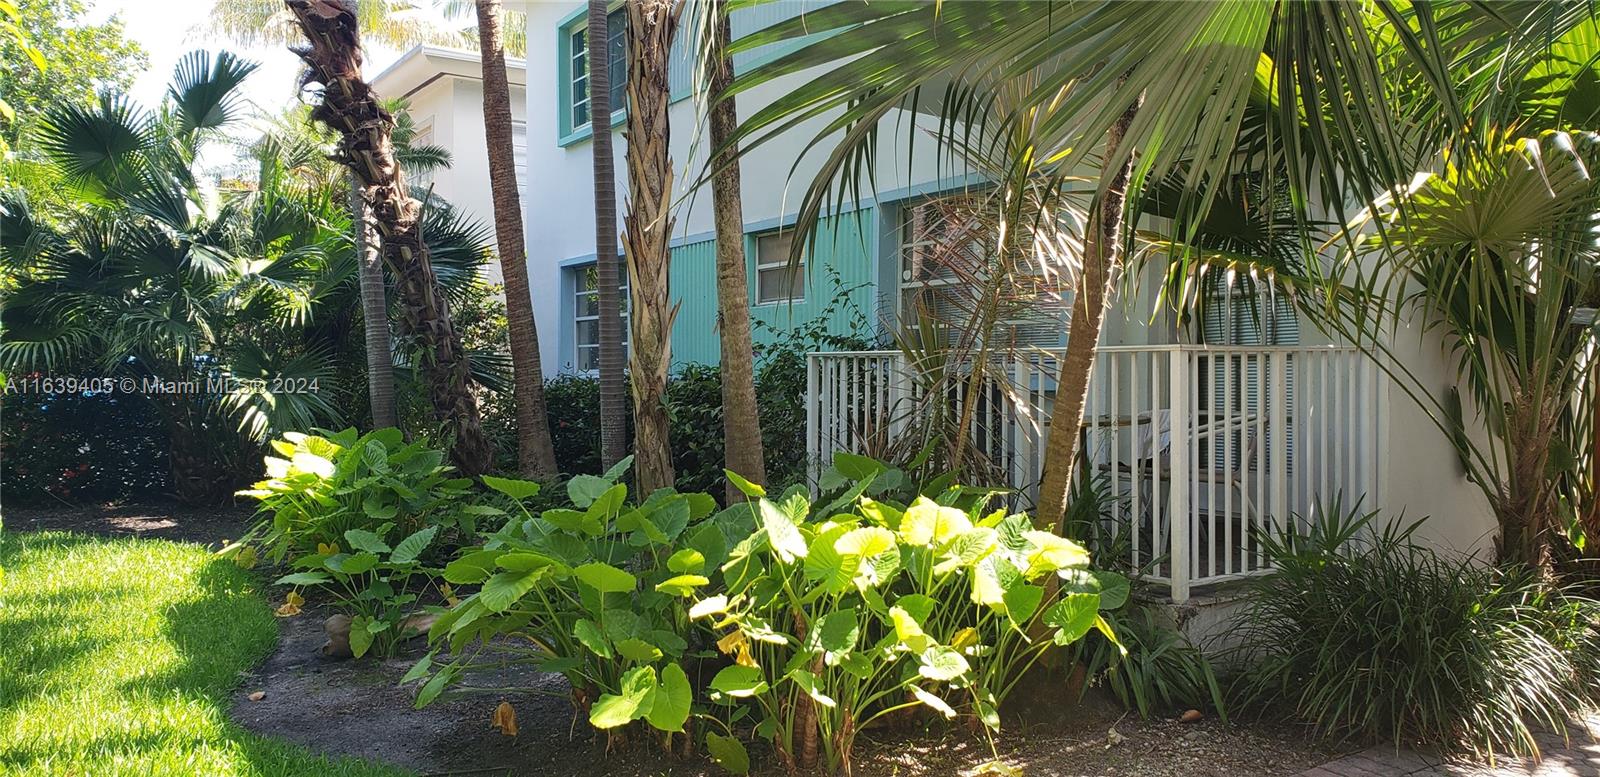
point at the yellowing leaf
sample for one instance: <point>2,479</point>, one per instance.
<point>291,605</point>
<point>736,644</point>
<point>449,594</point>
<point>505,719</point>
<point>327,549</point>
<point>246,557</point>
<point>929,523</point>
<point>1052,552</point>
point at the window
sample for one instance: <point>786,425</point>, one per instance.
<point>422,179</point>
<point>946,250</point>
<point>586,319</point>
<point>519,156</point>
<point>776,281</point>
<point>577,88</point>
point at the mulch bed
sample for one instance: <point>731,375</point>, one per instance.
<point>358,708</point>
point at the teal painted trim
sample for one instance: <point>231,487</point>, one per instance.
<point>577,261</point>
<point>848,246</point>
<point>567,135</point>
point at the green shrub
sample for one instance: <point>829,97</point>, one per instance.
<point>841,614</point>
<point>1154,670</point>
<point>319,487</point>
<point>824,619</point>
<point>1366,635</point>
<point>371,582</point>
<point>597,593</point>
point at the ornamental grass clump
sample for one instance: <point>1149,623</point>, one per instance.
<point>1366,635</point>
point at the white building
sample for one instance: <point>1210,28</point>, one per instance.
<point>1202,441</point>
<point>443,89</point>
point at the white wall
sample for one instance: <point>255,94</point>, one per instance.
<point>454,107</point>
<point>560,207</point>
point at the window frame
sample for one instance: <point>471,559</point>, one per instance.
<point>759,266</point>
<point>568,32</point>
<point>579,279</point>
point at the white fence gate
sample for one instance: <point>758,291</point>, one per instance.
<point>1197,447</point>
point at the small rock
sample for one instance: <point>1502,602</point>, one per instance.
<point>1114,737</point>
<point>1191,716</point>
<point>258,696</point>
<point>1195,736</point>
<point>338,630</point>
<point>417,625</point>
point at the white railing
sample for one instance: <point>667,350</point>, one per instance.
<point>1193,449</point>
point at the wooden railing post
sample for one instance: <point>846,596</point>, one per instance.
<point>1178,518</point>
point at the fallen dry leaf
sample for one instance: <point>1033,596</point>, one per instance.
<point>1191,716</point>
<point>258,696</point>
<point>505,719</point>
<point>291,605</point>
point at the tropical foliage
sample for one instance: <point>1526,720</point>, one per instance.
<point>226,304</point>
<point>1368,636</point>
<point>829,617</point>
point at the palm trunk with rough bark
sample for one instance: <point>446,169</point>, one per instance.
<point>536,455</point>
<point>651,24</point>
<point>613,405</point>
<point>350,108</point>
<point>1102,255</point>
<point>374,313</point>
<point>741,417</point>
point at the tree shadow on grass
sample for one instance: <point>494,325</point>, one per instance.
<point>137,716</point>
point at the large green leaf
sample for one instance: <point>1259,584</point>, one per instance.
<point>411,547</point>
<point>516,489</point>
<point>728,752</point>
<point>739,681</point>
<point>605,578</point>
<point>669,704</point>
<point>1073,616</point>
<point>782,534</point>
<point>505,588</point>
<point>474,567</point>
<point>628,705</point>
<point>361,539</point>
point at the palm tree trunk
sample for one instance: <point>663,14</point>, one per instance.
<point>374,313</point>
<point>536,456</point>
<point>741,417</point>
<point>350,108</point>
<point>651,24</point>
<point>613,407</point>
<point>1102,255</point>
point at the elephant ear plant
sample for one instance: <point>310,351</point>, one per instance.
<point>837,617</point>
<point>372,581</point>
<point>319,486</point>
<point>597,592</point>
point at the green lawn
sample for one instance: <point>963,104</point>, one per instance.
<point>117,657</point>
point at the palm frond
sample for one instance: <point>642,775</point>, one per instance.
<point>205,89</point>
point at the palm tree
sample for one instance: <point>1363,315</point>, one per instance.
<point>314,158</point>
<point>741,416</point>
<point>651,25</point>
<point>613,407</point>
<point>397,23</point>
<point>1212,78</point>
<point>350,108</point>
<point>153,277</point>
<point>535,451</point>
<point>1497,253</point>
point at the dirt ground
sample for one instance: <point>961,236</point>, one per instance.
<point>161,520</point>
<point>358,708</point>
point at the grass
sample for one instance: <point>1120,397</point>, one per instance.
<point>119,657</point>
